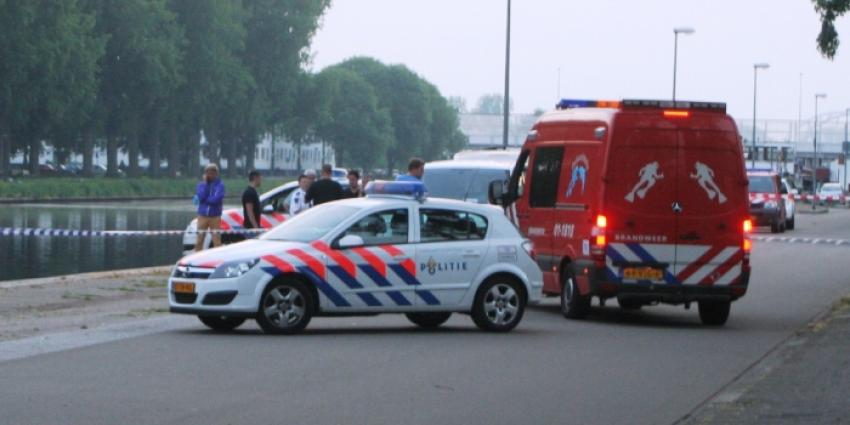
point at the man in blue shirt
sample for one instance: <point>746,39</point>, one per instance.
<point>415,171</point>
<point>209,196</point>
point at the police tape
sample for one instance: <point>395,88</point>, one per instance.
<point>35,231</point>
<point>799,197</point>
<point>801,240</point>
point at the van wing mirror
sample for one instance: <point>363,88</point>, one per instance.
<point>496,192</point>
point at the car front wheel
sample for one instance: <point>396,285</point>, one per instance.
<point>499,305</point>
<point>285,308</point>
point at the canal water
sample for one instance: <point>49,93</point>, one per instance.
<point>24,257</point>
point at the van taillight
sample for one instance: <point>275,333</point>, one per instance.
<point>601,221</point>
<point>748,245</point>
<point>748,226</point>
<point>600,240</point>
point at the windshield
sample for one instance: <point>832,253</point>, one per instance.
<point>762,184</point>
<point>312,224</point>
<point>463,184</point>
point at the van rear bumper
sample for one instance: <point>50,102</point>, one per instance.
<point>667,293</point>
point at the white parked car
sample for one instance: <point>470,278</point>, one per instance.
<point>385,253</point>
<point>831,193</point>
<point>466,180</point>
<point>790,204</point>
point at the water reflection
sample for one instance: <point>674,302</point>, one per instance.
<point>23,257</point>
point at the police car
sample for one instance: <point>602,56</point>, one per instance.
<point>393,251</point>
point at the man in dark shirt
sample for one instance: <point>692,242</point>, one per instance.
<point>354,189</point>
<point>251,208</point>
<point>324,189</point>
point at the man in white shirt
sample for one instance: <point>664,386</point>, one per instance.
<point>298,201</point>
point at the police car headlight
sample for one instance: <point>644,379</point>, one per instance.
<point>771,204</point>
<point>233,269</point>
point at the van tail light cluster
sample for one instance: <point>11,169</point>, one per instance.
<point>600,239</point>
<point>747,243</point>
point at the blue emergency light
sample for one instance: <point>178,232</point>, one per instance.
<point>416,190</point>
<point>584,103</point>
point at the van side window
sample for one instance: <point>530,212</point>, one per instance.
<point>518,176</point>
<point>544,177</point>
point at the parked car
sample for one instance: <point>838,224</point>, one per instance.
<point>767,200</point>
<point>831,193</point>
<point>465,180</point>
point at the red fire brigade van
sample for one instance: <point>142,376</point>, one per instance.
<point>645,201</point>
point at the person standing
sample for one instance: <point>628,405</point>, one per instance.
<point>324,189</point>
<point>210,198</point>
<point>297,203</point>
<point>251,209</point>
<point>354,189</point>
<point>415,171</point>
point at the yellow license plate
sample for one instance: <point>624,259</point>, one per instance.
<point>183,287</point>
<point>642,273</point>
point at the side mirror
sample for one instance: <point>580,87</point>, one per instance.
<point>496,192</point>
<point>268,209</point>
<point>350,241</point>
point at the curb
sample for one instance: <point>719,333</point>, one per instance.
<point>22,283</point>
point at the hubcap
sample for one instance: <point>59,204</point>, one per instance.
<point>501,304</point>
<point>284,307</point>
<point>569,288</point>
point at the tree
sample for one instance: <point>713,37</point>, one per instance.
<point>829,11</point>
<point>356,125</point>
<point>141,68</point>
<point>492,104</point>
<point>50,52</point>
<point>459,104</point>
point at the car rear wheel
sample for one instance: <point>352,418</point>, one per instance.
<point>222,323</point>
<point>428,320</point>
<point>714,313</point>
<point>499,305</point>
<point>573,304</point>
<point>629,304</point>
<point>285,308</point>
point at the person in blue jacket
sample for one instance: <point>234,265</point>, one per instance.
<point>209,197</point>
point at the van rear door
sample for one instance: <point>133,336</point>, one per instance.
<point>640,195</point>
<point>713,206</point>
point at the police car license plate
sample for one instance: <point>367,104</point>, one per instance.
<point>643,273</point>
<point>183,287</point>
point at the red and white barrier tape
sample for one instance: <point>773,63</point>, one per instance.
<point>32,231</point>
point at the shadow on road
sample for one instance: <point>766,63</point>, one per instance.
<point>362,331</point>
<point>646,317</point>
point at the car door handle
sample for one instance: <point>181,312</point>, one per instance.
<point>471,254</point>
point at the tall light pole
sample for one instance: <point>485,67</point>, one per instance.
<point>756,68</point>
<point>507,100</point>
<point>818,96</point>
<point>676,32</point>
<point>844,145</point>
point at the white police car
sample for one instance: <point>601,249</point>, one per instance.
<point>391,252</point>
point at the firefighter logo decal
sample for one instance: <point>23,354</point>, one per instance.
<point>705,177</point>
<point>579,174</point>
<point>648,177</point>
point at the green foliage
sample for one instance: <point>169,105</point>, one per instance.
<point>829,10</point>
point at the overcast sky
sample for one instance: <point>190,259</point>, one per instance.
<point>609,49</point>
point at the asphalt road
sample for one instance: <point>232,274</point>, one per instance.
<point>649,367</point>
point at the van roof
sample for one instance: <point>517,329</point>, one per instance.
<point>471,164</point>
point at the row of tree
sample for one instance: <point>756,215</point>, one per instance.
<point>149,76</point>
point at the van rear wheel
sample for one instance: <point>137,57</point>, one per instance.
<point>714,313</point>
<point>573,304</point>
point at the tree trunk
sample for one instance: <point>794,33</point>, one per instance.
<point>34,151</point>
<point>194,153</point>
<point>249,149</point>
<point>111,154</point>
<point>88,153</point>
<point>271,164</point>
<point>298,157</point>
<point>133,153</point>
<point>172,151</point>
<point>231,147</point>
<point>5,155</point>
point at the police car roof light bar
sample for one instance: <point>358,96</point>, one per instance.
<point>406,189</point>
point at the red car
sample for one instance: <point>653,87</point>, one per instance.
<point>645,201</point>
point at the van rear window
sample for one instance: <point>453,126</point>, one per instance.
<point>762,184</point>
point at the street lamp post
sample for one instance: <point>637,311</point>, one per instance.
<point>844,145</point>
<point>676,32</point>
<point>756,68</point>
<point>818,96</point>
<point>507,99</point>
